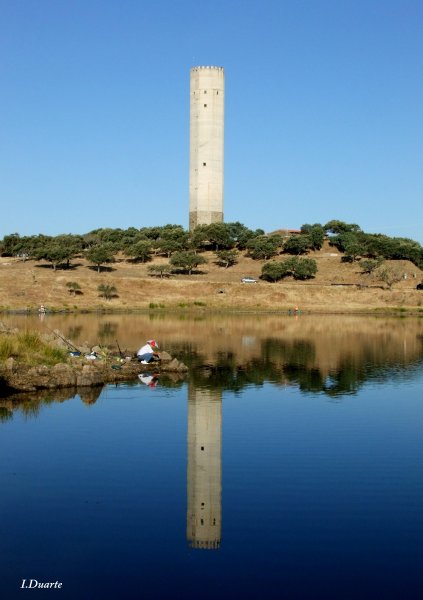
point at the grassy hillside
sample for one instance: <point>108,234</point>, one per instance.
<point>337,287</point>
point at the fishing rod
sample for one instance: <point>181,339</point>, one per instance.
<point>73,348</point>
<point>120,351</point>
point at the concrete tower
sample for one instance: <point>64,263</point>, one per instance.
<point>206,146</point>
<point>204,472</point>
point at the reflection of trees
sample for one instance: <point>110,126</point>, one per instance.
<point>294,363</point>
<point>5,414</point>
<point>301,352</point>
<point>74,332</point>
<point>107,331</point>
<point>30,403</point>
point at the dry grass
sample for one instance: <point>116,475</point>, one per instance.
<point>30,348</point>
<point>26,285</point>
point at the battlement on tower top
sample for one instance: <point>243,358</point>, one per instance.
<point>202,67</point>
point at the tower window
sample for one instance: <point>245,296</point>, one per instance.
<point>205,106</point>
<point>204,164</point>
<point>202,447</point>
<point>205,91</point>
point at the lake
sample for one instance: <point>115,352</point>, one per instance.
<point>287,464</point>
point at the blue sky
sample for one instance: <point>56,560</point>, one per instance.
<point>323,112</point>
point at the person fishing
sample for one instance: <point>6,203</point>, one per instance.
<point>148,353</point>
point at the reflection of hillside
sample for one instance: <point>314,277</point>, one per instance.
<point>245,335</point>
<point>334,354</point>
<point>295,363</point>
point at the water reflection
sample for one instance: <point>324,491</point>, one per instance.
<point>204,473</point>
<point>334,356</point>
<point>314,497</point>
<point>325,343</point>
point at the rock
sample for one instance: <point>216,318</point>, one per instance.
<point>39,376</point>
<point>89,376</point>
<point>63,375</point>
<point>175,365</point>
<point>10,364</point>
<point>89,395</point>
<point>165,356</point>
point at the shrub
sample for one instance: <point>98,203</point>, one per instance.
<point>107,291</point>
<point>73,286</point>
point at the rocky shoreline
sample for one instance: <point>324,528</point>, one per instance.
<point>84,368</point>
<point>16,377</point>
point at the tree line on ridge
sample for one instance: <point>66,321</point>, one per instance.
<point>184,249</point>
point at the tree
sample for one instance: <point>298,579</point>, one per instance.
<point>299,268</point>
<point>197,237</point>
<point>187,260</point>
<point>316,235</point>
<point>352,249</point>
<point>74,244</point>
<point>389,276</point>
<point>100,255</point>
<point>140,251</point>
<point>274,270</point>
<point>168,246</point>
<point>219,235</point>
<point>297,244</point>
<point>245,235</point>
<point>263,246</point>
<point>240,234</point>
<point>337,227</point>
<point>161,270</point>
<point>369,265</point>
<point>302,268</point>
<point>9,244</point>
<point>107,291</point>
<point>227,258</point>
<point>54,252</point>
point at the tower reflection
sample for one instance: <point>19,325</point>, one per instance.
<point>204,474</point>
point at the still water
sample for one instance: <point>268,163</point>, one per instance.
<point>287,464</point>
